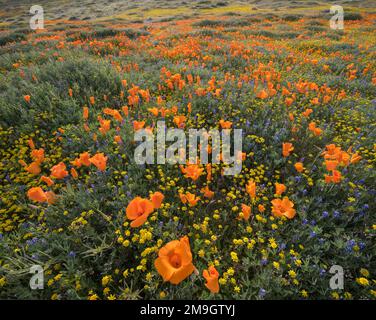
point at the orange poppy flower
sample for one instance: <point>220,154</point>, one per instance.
<point>192,171</point>
<point>118,139</point>
<point>59,171</point>
<point>27,98</point>
<point>138,210</point>
<point>105,126</point>
<point>31,144</point>
<point>283,207</point>
<point>125,110</point>
<point>99,160</point>
<point>317,131</point>
<point>154,111</point>
<point>47,180</point>
<point>92,100</point>
<point>207,192</point>
<point>262,94</point>
<point>38,155</point>
<point>180,121</point>
<point>37,194</point>
<point>74,173</point>
<point>279,188</point>
<point>22,163</point>
<point>336,177</point>
<point>289,101</point>
<point>307,113</point>
<point>241,156</point>
<point>251,188</point>
<point>331,164</point>
<point>84,159</point>
<point>299,166</point>
<point>51,197</point>
<point>261,208</point>
<point>211,276</point>
<point>157,199</point>
<point>355,158</point>
<point>174,262</point>
<point>209,172</point>
<point>114,113</point>
<point>33,168</point>
<point>225,124</point>
<point>189,198</point>
<point>137,125</point>
<point>246,210</point>
<point>85,113</point>
<point>312,126</point>
<point>287,148</point>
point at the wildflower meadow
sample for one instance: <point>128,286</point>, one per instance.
<point>82,218</point>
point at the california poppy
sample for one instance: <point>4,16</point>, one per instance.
<point>47,180</point>
<point>138,210</point>
<point>262,94</point>
<point>279,188</point>
<point>207,192</point>
<point>85,113</point>
<point>74,173</point>
<point>125,110</point>
<point>299,166</point>
<point>157,199</point>
<point>37,155</point>
<point>287,148</point>
<point>31,144</point>
<point>180,121</point>
<point>51,197</point>
<point>59,171</point>
<point>331,164</point>
<point>307,112</point>
<point>336,177</point>
<point>355,158</point>
<point>246,210</point>
<point>84,159</point>
<point>37,194</point>
<point>283,207</point>
<point>33,168</point>
<point>251,188</point>
<point>189,198</point>
<point>174,262</point>
<point>118,139</point>
<point>105,126</point>
<point>225,124</point>
<point>192,171</point>
<point>99,160</point>
<point>154,111</point>
<point>211,276</point>
<point>137,125</point>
